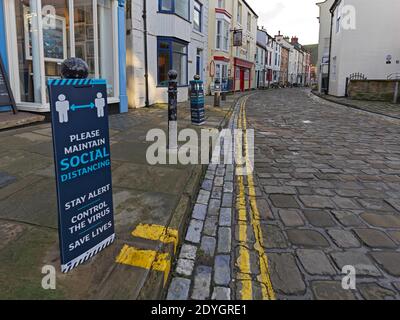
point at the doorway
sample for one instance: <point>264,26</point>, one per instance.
<point>242,80</point>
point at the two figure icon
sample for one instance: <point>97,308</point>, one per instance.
<point>63,107</point>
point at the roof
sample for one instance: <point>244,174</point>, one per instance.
<point>251,9</point>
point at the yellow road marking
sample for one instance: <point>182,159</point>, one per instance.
<point>243,260</point>
<point>145,259</point>
<point>267,289</point>
<point>157,233</point>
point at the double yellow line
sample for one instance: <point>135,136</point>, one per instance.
<point>252,216</point>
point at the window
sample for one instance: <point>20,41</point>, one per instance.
<point>221,73</point>
<point>239,13</point>
<point>178,7</point>
<point>221,4</point>
<point>222,38</point>
<point>172,54</point>
<point>198,62</point>
<point>249,21</point>
<point>197,16</point>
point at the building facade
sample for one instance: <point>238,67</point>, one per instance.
<point>261,59</point>
<point>39,34</point>
<point>351,50</point>
<point>165,35</point>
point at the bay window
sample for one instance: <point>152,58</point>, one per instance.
<point>222,37</point>
<point>172,55</point>
<point>178,7</point>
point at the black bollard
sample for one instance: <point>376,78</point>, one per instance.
<point>74,68</point>
<point>172,110</point>
<point>217,93</point>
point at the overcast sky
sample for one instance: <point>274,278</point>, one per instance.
<point>291,17</point>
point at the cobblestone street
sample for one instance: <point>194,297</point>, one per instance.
<point>324,195</point>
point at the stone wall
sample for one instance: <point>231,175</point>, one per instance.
<point>375,90</point>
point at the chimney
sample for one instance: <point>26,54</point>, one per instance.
<point>294,40</point>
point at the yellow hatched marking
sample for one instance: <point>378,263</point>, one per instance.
<point>157,233</point>
<point>267,290</point>
<point>145,259</point>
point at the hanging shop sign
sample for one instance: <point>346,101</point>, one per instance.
<point>81,142</point>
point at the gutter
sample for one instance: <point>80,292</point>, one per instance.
<point>146,57</point>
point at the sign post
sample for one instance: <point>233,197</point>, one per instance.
<point>81,143</point>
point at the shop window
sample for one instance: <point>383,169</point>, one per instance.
<point>172,54</point>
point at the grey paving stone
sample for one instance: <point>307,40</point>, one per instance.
<point>389,261</point>
<point>264,209</point>
<point>207,185</point>
<point>203,197</point>
<point>208,245</point>
<point>225,217</point>
<point>285,275</point>
<point>395,203</point>
<point>202,281</point>
<point>179,289</point>
<point>345,203</point>
<point>395,235</point>
<point>318,202</point>
<point>227,200</point>
<point>219,181</point>
<point>228,187</point>
<point>224,240</point>
<point>221,294</point>
<point>216,193</point>
<point>364,266</point>
<point>319,218</point>
<point>291,218</point>
<point>343,238</point>
<point>381,220</point>
<point>373,291</point>
<point>220,172</point>
<point>307,238</point>
<point>273,236</point>
<point>222,270</point>
<point>194,231</point>
<point>214,207</point>
<point>315,262</point>
<point>188,252</point>
<point>199,211</point>
<point>284,201</point>
<point>280,190</point>
<point>347,218</point>
<point>210,226</point>
<point>331,290</point>
<point>185,267</point>
<point>375,238</point>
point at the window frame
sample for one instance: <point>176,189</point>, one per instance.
<point>224,35</point>
<point>173,9</point>
<point>170,51</point>
<point>200,15</point>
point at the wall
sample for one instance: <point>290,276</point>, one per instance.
<point>375,90</point>
<point>365,48</point>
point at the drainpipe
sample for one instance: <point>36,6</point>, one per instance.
<point>330,51</point>
<point>123,98</point>
<point>146,58</point>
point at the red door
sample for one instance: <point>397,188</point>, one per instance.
<point>241,80</point>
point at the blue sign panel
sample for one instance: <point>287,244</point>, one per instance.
<point>81,142</point>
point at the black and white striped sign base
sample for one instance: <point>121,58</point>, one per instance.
<point>87,255</point>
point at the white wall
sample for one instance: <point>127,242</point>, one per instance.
<point>365,49</point>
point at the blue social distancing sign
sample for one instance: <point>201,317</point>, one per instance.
<point>83,168</point>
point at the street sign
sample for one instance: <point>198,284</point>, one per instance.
<point>81,143</point>
<point>6,96</point>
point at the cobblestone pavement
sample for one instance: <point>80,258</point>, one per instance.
<point>380,107</point>
<point>324,195</point>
